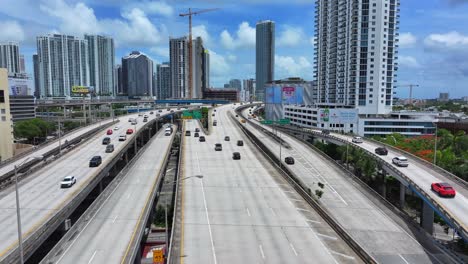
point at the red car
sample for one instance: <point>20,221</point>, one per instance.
<point>129,131</point>
<point>109,132</point>
<point>443,189</point>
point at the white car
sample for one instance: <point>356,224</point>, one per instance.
<point>357,140</point>
<point>400,161</point>
<point>116,128</point>
<point>145,116</point>
<point>68,182</point>
<point>122,137</point>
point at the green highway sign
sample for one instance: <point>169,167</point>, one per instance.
<point>191,114</point>
<point>284,121</point>
<point>267,122</point>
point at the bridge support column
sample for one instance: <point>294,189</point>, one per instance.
<point>135,145</point>
<point>402,195</point>
<point>384,184</point>
<point>427,218</point>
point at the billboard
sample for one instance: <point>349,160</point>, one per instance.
<point>292,95</point>
<point>339,116</point>
<point>76,89</point>
<point>273,95</point>
<point>20,86</point>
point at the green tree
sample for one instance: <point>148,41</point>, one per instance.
<point>32,128</point>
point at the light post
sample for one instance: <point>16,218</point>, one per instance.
<point>281,144</point>
<point>18,213</point>
<point>435,144</point>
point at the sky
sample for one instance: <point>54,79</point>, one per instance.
<point>433,46</point>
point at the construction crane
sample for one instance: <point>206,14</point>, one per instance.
<point>410,86</point>
<point>190,14</point>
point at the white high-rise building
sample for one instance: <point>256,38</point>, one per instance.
<point>101,64</point>
<point>355,44</point>
<point>10,57</point>
<point>63,63</point>
<point>264,56</point>
<point>178,51</point>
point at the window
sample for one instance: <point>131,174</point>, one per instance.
<point>4,118</point>
<point>2,96</point>
<point>2,111</point>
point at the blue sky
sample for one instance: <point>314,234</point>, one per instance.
<point>433,34</point>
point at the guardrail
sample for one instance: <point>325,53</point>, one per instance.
<point>456,224</point>
<point>304,191</point>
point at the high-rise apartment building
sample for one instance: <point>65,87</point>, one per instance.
<point>137,75</point>
<point>10,57</point>
<point>264,56</point>
<point>37,90</point>
<point>6,126</point>
<point>101,64</point>
<point>163,72</point>
<point>249,88</point>
<point>198,67</point>
<point>63,63</point>
<point>235,84</point>
<point>206,70</point>
<point>118,80</point>
<point>355,44</point>
<point>178,54</point>
<point>22,64</point>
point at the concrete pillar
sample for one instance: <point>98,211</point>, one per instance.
<point>402,195</point>
<point>135,145</point>
<point>384,184</point>
<point>427,218</point>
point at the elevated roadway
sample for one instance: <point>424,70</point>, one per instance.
<point>243,211</point>
<point>111,234</point>
<point>361,217</point>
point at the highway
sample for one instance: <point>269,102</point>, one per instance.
<point>106,236</point>
<point>381,236</point>
<point>40,194</point>
<point>243,211</point>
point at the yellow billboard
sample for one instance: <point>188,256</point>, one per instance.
<point>80,89</point>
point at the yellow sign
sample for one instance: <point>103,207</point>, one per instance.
<point>80,89</point>
<point>158,256</point>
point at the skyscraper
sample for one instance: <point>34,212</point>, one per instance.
<point>249,88</point>
<point>206,70</point>
<point>355,53</point>
<point>198,54</point>
<point>63,63</point>
<point>10,57</point>
<point>137,75</point>
<point>101,64</point>
<point>235,84</point>
<point>118,80</point>
<point>37,90</point>
<point>178,50</point>
<point>264,56</point>
<point>22,64</point>
<point>163,72</point>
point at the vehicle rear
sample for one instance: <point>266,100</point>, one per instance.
<point>218,147</point>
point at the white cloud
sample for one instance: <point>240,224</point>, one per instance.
<point>300,67</point>
<point>407,40</point>
<point>408,61</point>
<point>160,51</point>
<point>11,31</point>
<point>218,64</point>
<point>231,57</point>
<point>201,31</point>
<point>451,39</point>
<point>312,41</point>
<point>158,7</point>
<point>290,37</point>
<point>244,38</point>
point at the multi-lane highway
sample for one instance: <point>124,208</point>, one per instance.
<point>242,211</point>
<point>108,234</point>
<point>41,196</point>
<point>362,218</point>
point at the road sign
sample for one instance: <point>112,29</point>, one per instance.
<point>284,121</point>
<point>267,122</point>
<point>158,256</point>
<point>191,114</point>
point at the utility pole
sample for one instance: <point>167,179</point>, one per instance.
<point>435,145</point>
<point>410,86</point>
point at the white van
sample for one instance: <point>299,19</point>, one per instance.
<point>168,131</point>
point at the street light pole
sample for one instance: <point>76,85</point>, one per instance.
<point>435,144</point>
<point>18,216</point>
<point>281,144</point>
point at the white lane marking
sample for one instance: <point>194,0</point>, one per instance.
<point>208,221</point>
<point>170,169</point>
<point>128,196</point>
<point>115,218</point>
<point>301,209</point>
<point>330,237</point>
<point>285,196</point>
<point>343,255</point>
<point>293,249</point>
<point>198,162</point>
<point>323,245</point>
<point>296,200</point>
<point>403,259</point>
<point>273,211</point>
<point>289,191</point>
<point>261,251</point>
<point>92,257</point>
<point>313,221</point>
<point>248,212</point>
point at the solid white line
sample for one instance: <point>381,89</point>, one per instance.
<point>248,212</point>
<point>343,255</point>
<point>300,209</point>
<point>313,221</point>
<point>293,249</point>
<point>115,218</point>
<point>208,221</point>
<point>128,196</point>
<point>330,237</point>
<point>261,251</point>
<point>296,200</point>
<point>403,259</point>
<point>92,257</point>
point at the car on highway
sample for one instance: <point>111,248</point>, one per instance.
<point>134,122</point>
<point>145,120</point>
<point>443,189</point>
<point>196,134</point>
<point>140,114</point>
<point>400,161</point>
<point>178,108</point>
<point>129,131</point>
<point>172,111</point>
<point>145,116</point>
<point>357,140</point>
<point>202,139</point>
<point>381,151</point>
<point>213,114</point>
<point>131,119</point>
<point>168,109</point>
<point>326,132</point>
<point>110,148</point>
<point>243,121</point>
<point>160,111</point>
<point>158,115</point>
<point>236,156</point>
<point>106,141</point>
<point>187,133</point>
<point>214,110</point>
<point>215,123</point>
<point>240,143</point>
<point>197,129</point>
<point>218,147</point>
<point>95,161</point>
<point>68,182</point>
<point>227,138</point>
<point>237,115</point>
<point>109,132</point>
<point>122,137</point>
<point>151,113</point>
<point>289,160</point>
<point>116,128</point>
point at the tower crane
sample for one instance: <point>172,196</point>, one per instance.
<point>410,86</point>
<point>190,14</point>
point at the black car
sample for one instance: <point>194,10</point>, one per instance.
<point>326,132</point>
<point>227,138</point>
<point>201,139</point>
<point>212,114</point>
<point>151,112</point>
<point>106,141</point>
<point>110,148</point>
<point>218,147</point>
<point>187,133</point>
<point>197,129</point>
<point>214,123</point>
<point>289,160</point>
<point>95,161</point>
<point>196,134</point>
<point>381,151</point>
<point>145,120</point>
<point>240,143</point>
<point>236,156</point>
